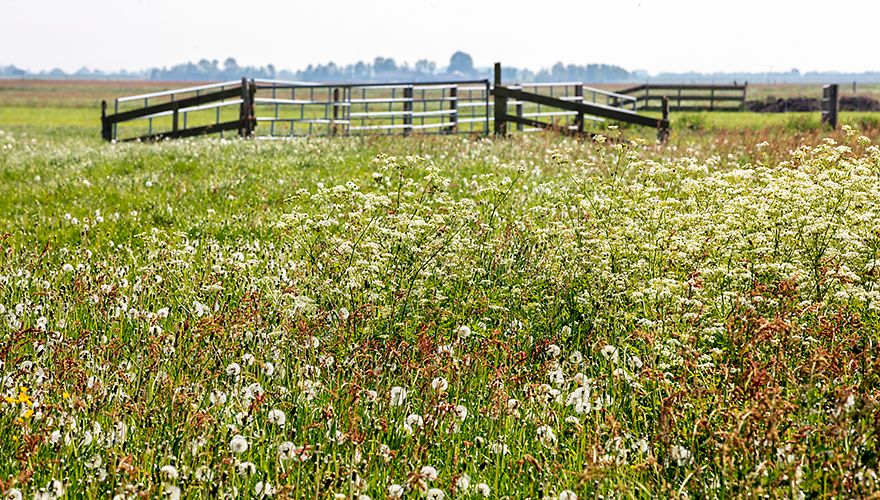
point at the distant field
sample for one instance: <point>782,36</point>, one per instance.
<point>88,93</point>
<point>74,93</point>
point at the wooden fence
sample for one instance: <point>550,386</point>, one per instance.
<point>688,97</point>
<point>274,109</point>
<point>580,111</point>
<point>184,102</point>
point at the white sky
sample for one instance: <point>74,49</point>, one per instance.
<point>671,35</point>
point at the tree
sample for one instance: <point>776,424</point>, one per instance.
<point>384,65</point>
<point>461,62</point>
<point>425,67</point>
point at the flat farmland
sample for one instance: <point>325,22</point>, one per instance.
<point>438,316</point>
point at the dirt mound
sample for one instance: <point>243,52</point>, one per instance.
<point>847,103</point>
<point>859,103</point>
<point>771,105</point>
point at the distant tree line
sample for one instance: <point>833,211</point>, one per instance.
<point>460,66</point>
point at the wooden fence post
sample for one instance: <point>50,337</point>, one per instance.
<point>518,109</point>
<point>106,129</point>
<point>407,110</point>
<point>174,121</point>
<point>246,117</point>
<point>663,133</point>
<point>579,119</point>
<point>500,105</point>
<point>453,107</point>
<point>830,104</point>
<point>334,128</point>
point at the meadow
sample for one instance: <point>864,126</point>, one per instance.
<point>444,316</point>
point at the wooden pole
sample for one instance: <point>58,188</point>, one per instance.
<point>453,107</point>
<point>106,129</point>
<point>835,104</point>
<point>245,112</point>
<point>579,120</point>
<point>175,121</point>
<point>663,133</point>
<point>830,104</point>
<point>407,110</point>
<point>500,105</point>
<point>334,129</point>
<point>518,107</point>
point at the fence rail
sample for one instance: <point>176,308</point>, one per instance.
<point>688,97</point>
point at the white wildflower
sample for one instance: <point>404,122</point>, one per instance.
<point>238,444</point>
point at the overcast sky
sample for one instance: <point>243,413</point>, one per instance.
<point>655,35</point>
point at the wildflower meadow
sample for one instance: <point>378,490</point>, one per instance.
<point>440,317</point>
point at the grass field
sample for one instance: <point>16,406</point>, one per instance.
<point>445,316</point>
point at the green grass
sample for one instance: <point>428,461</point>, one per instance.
<point>698,318</point>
